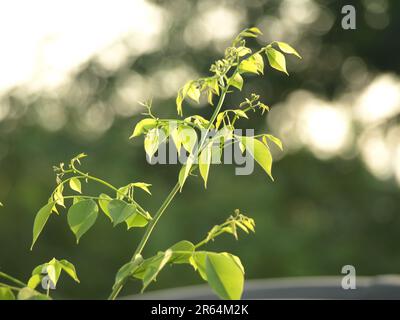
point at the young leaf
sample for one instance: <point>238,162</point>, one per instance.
<point>188,138</point>
<point>258,61</point>
<point>6,294</point>
<point>274,139</point>
<point>104,200</point>
<point>40,220</point>
<point>154,268</point>
<point>136,221</point>
<point>205,161</point>
<point>81,217</point>
<point>128,269</point>
<point>185,170</point>
<point>75,184</point>
<point>120,210</point>
<point>30,294</point>
<point>260,152</point>
<point>248,65</point>
<point>176,138</point>
<point>34,281</point>
<point>194,92</point>
<point>287,49</point>
<point>53,270</point>
<point>69,268</point>
<point>223,272</point>
<point>152,142</point>
<point>143,186</point>
<point>182,252</point>
<point>58,195</point>
<point>236,81</point>
<point>143,126</point>
<point>276,59</point>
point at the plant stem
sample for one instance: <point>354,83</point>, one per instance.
<point>116,290</point>
<point>12,279</point>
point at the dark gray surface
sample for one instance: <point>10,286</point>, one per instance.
<point>378,287</point>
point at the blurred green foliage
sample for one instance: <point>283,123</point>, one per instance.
<point>316,217</point>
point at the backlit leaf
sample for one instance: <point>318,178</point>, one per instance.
<point>81,217</point>
<point>276,59</point>
<point>40,220</point>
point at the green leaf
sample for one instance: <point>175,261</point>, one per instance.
<point>258,61</point>
<point>40,220</point>
<point>185,170</point>
<point>6,294</point>
<point>143,186</point>
<point>75,184</point>
<point>194,92</point>
<point>34,281</point>
<point>260,152</point>
<point>223,271</point>
<point>30,294</point>
<point>128,269</point>
<point>182,251</point>
<point>274,139</point>
<point>104,200</point>
<point>286,48</point>
<point>136,221</point>
<point>176,138</point>
<point>188,137</point>
<point>236,81</point>
<point>205,161</point>
<point>69,268</point>
<point>81,217</point>
<point>120,210</point>
<point>276,59</point>
<point>242,51</point>
<point>248,65</point>
<point>152,142</point>
<point>143,126</point>
<point>58,195</point>
<point>153,269</point>
<point>53,270</point>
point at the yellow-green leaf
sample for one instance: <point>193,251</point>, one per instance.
<point>204,162</point>
<point>260,152</point>
<point>143,126</point>
<point>75,184</point>
<point>236,81</point>
<point>40,220</point>
<point>81,217</point>
<point>286,48</point>
<point>276,59</point>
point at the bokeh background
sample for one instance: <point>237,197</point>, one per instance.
<point>71,73</point>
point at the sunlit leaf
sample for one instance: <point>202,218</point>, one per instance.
<point>286,48</point>
<point>260,152</point>
<point>222,271</point>
<point>274,139</point>
<point>154,268</point>
<point>188,138</point>
<point>75,184</point>
<point>152,142</point>
<point>236,81</point>
<point>104,200</point>
<point>182,252</point>
<point>120,210</point>
<point>81,217</point>
<point>143,126</point>
<point>143,186</point>
<point>40,220</point>
<point>6,294</point>
<point>276,59</point>
<point>136,221</point>
<point>204,162</point>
